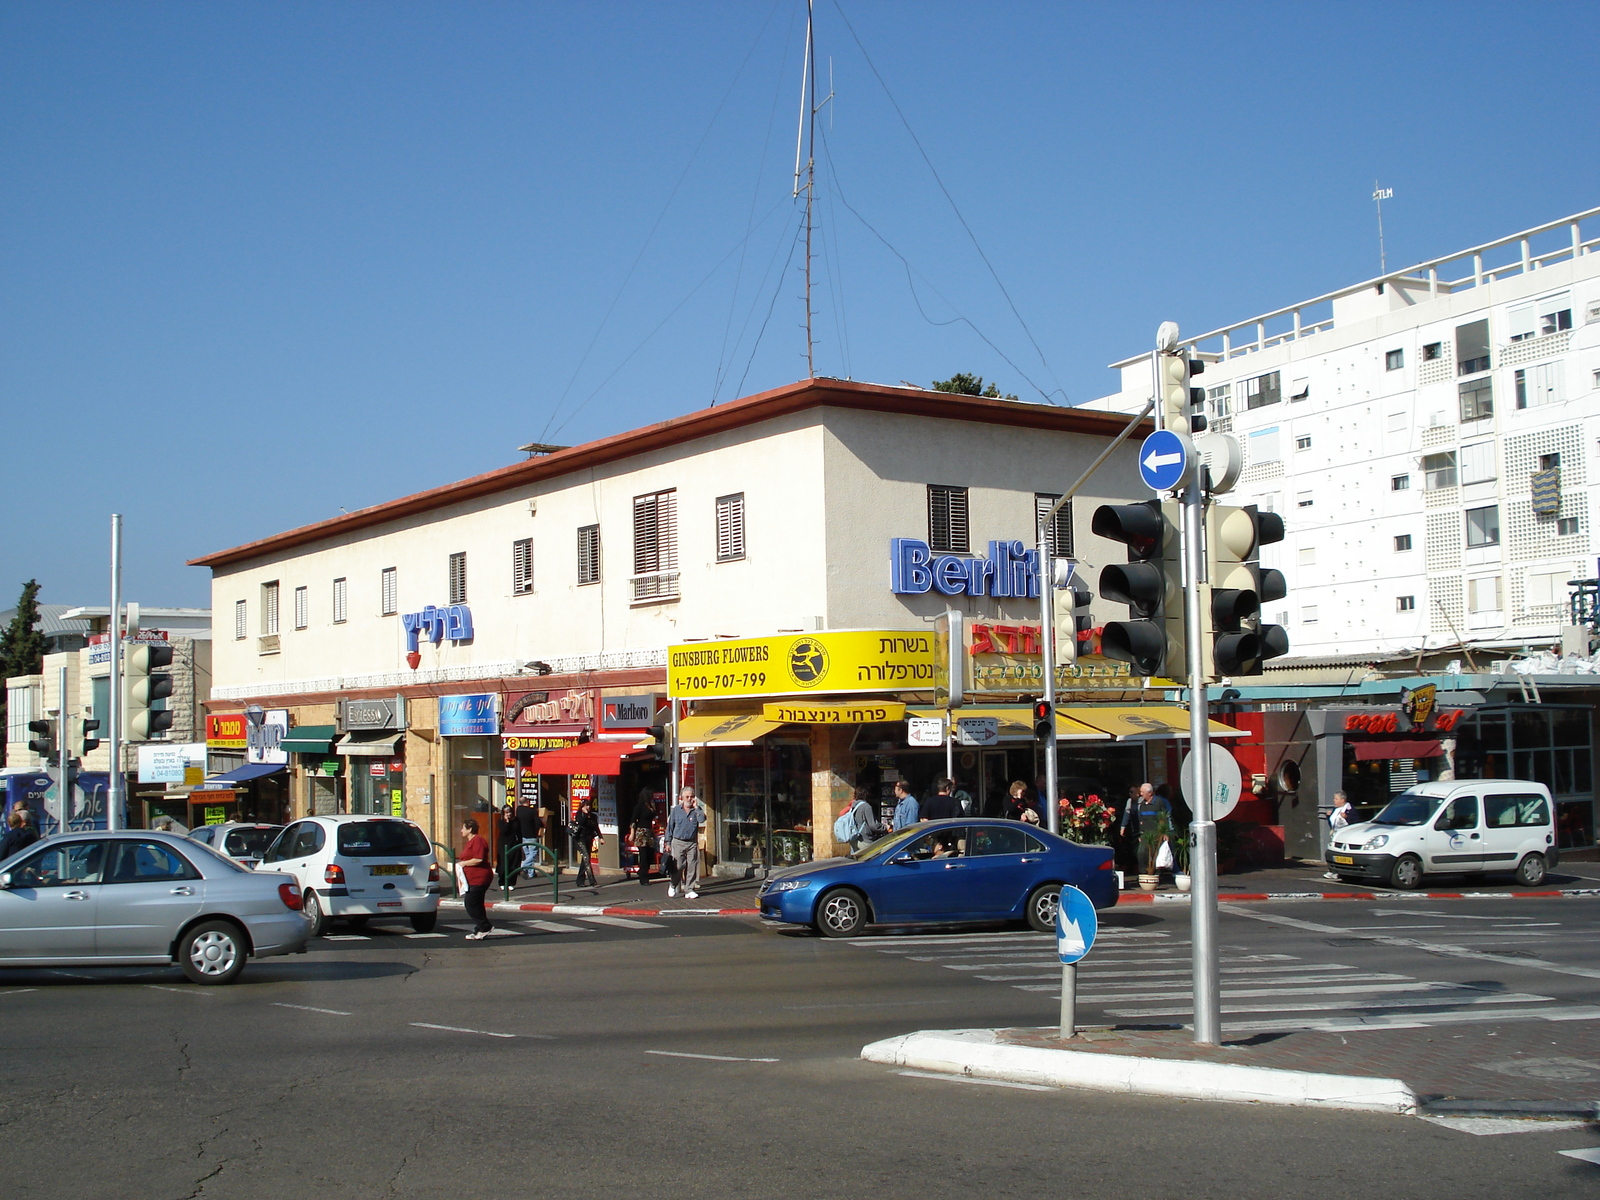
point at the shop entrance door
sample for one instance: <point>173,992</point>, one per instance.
<point>993,784</point>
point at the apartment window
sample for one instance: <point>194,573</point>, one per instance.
<point>1566,526</point>
<point>1308,556</point>
<point>1300,389</point>
<point>1304,500</point>
<point>1477,399</point>
<point>1472,347</point>
<point>1439,470</point>
<point>341,601</point>
<point>1399,483</point>
<point>522,566</point>
<point>1262,391</point>
<point>1541,318</point>
<point>1405,603</point>
<point>458,577</point>
<point>1544,384</point>
<point>1477,463</point>
<point>655,546</point>
<point>947,519</point>
<point>1059,534</point>
<point>1302,443</point>
<point>1555,322</point>
<point>1308,615</point>
<point>1546,588</point>
<point>241,625</point>
<point>1483,526</point>
<point>302,607</point>
<point>1262,447</point>
<point>1432,351</point>
<point>1550,462</point>
<point>588,554</point>
<point>1402,542</point>
<point>1220,399</point>
<point>1483,595</point>
<point>730,527</point>
<point>390,591</point>
<point>1394,360</point>
<point>269,607</point>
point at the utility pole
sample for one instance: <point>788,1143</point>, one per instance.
<point>116,797</point>
<point>63,754</point>
<point>1047,658</point>
<point>1203,830</point>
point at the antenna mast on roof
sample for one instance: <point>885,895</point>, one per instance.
<point>805,146</point>
<point>1379,195</point>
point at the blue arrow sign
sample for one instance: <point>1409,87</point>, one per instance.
<point>1164,460</point>
<point>1076,925</point>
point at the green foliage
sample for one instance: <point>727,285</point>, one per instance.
<point>21,646</point>
<point>962,384</point>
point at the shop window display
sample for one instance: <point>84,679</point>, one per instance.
<point>763,804</point>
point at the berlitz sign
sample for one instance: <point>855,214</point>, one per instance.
<point>1010,571</point>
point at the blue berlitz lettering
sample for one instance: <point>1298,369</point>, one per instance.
<point>908,567</point>
<point>1010,571</point>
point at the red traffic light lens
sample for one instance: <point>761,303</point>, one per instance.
<point>1041,710</point>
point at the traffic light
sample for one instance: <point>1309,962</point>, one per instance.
<point>45,744</point>
<point>659,750</point>
<point>90,742</point>
<point>1044,720</point>
<point>143,683</point>
<point>1150,584</point>
<point>1075,623</point>
<point>1182,406</point>
<point>1240,642</point>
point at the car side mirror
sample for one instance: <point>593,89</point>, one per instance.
<point>901,860</point>
<point>5,880</point>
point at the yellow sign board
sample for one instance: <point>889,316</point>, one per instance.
<point>833,714</point>
<point>855,660</point>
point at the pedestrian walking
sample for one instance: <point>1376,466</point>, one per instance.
<point>18,836</point>
<point>644,834</point>
<point>507,836</point>
<point>478,872</point>
<point>683,840</point>
<point>585,836</point>
<point>1018,803</point>
<point>942,805</point>
<point>906,809</point>
<point>864,814</point>
<point>1146,810</point>
<point>529,828</point>
<point>1343,811</point>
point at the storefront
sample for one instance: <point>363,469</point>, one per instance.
<point>469,726</point>
<point>534,723</point>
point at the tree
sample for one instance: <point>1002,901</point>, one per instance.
<point>22,645</point>
<point>963,384</point>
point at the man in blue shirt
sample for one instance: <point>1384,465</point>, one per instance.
<point>683,836</point>
<point>905,807</point>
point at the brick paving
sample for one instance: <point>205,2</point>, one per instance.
<point>1527,1061</point>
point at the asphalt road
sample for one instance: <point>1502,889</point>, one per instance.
<point>710,1057</point>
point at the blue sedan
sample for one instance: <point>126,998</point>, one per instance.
<point>940,872</point>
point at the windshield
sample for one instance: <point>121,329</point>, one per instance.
<point>250,843</point>
<point>883,845</point>
<point>381,839</point>
<point>1408,808</point>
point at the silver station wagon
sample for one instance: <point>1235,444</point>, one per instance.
<point>139,897</point>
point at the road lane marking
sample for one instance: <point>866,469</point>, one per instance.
<point>1005,1083</point>
<point>346,937</point>
<point>1415,1021</point>
<point>873,1004</point>
<point>332,1012</point>
<point>459,1029</point>
<point>709,1057</point>
<point>188,991</point>
<point>71,974</point>
<point>1228,993</point>
<point>426,935</point>
<point>1591,1155</point>
<point>1486,1126</point>
<point>18,991</point>
<point>553,927</point>
<point>622,922</point>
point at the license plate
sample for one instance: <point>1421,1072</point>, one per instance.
<point>390,869</point>
<point>389,904</point>
<point>1345,859</point>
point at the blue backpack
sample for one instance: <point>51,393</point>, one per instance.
<point>844,829</point>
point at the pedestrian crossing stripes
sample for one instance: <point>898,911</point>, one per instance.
<point>1142,975</point>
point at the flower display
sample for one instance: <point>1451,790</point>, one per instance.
<point>1088,820</point>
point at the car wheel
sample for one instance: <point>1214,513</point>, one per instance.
<point>424,922</point>
<point>1043,902</point>
<point>842,913</point>
<point>1530,871</point>
<point>1406,873</point>
<point>312,908</point>
<point>212,952</point>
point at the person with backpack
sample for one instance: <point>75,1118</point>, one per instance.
<point>858,825</point>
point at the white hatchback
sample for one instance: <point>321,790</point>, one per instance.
<point>356,867</point>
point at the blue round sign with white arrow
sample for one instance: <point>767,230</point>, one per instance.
<point>1076,925</point>
<point>1164,460</point>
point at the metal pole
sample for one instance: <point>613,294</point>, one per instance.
<point>949,748</point>
<point>116,797</point>
<point>1203,850</point>
<point>1069,1000</point>
<point>64,768</point>
<point>1047,653</point>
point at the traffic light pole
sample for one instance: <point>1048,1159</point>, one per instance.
<point>63,754</point>
<point>115,788</point>
<point>1203,830</point>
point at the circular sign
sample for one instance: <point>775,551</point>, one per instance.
<point>1076,925</point>
<point>1226,781</point>
<point>808,661</point>
<point>1164,460</point>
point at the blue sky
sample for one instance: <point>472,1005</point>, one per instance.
<point>264,262</point>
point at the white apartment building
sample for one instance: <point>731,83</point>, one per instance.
<point>1432,440</point>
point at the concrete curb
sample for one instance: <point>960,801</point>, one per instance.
<point>979,1053</point>
<point>603,910</point>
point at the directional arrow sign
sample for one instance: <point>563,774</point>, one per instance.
<point>1164,460</point>
<point>1076,925</point>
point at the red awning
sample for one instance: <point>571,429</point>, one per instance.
<point>1420,748</point>
<point>586,758</point>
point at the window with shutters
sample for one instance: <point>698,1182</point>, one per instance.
<point>390,591</point>
<point>269,607</point>
<point>1060,530</point>
<point>341,601</point>
<point>588,554</point>
<point>302,607</point>
<point>947,519</point>
<point>655,546</point>
<point>458,577</point>
<point>1476,463</point>
<point>522,566</point>
<point>730,527</point>
<point>241,622</point>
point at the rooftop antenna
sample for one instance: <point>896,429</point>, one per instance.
<point>1379,195</point>
<point>805,145</point>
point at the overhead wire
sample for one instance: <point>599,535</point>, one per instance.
<point>776,292</point>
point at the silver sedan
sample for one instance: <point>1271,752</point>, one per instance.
<point>138,897</point>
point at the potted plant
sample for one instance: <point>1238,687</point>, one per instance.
<point>1180,863</point>
<point>1152,839</point>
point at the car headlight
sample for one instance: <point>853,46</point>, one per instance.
<point>1378,843</point>
<point>787,885</point>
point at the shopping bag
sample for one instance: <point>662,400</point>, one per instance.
<point>1164,858</point>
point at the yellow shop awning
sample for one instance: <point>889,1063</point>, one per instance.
<point>724,729</point>
<point>1016,721</point>
<point>1141,722</point>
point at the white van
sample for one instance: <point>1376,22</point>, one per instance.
<point>355,867</point>
<point>1455,828</point>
